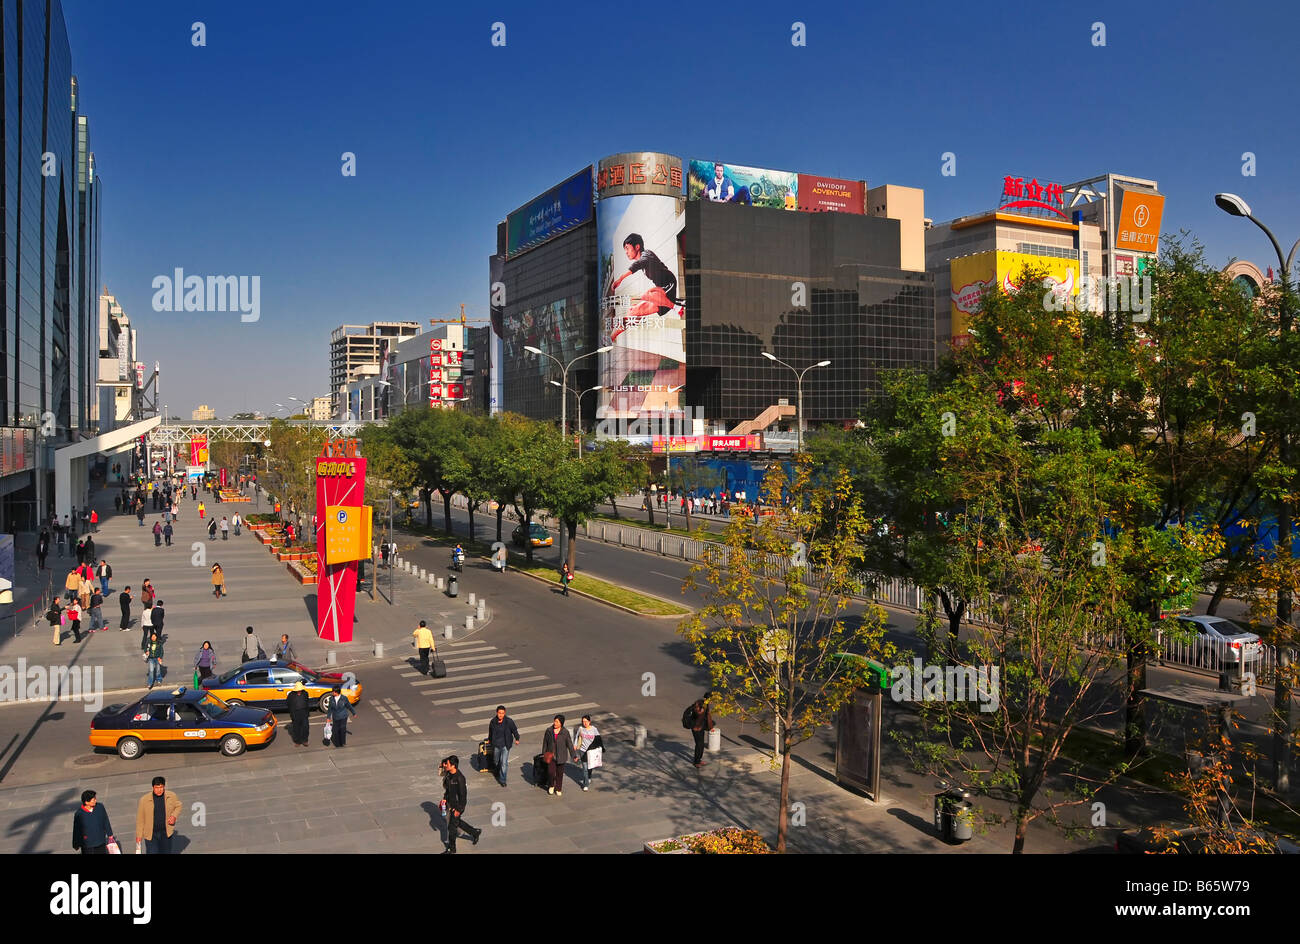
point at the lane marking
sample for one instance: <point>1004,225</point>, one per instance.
<point>565,710</point>
<point>479,685</point>
<point>481,675</point>
<point>503,695</point>
<point>477,709</point>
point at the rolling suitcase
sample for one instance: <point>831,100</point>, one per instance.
<point>541,773</point>
<point>486,758</point>
<point>439,668</point>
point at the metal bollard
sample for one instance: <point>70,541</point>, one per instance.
<point>446,631</point>
<point>640,736</point>
<point>472,600</point>
<point>330,657</point>
<point>379,650</point>
<point>482,609</point>
<point>469,624</point>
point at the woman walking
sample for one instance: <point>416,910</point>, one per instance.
<point>298,708</point>
<point>218,581</point>
<point>237,522</point>
<point>588,737</point>
<point>212,529</point>
<point>557,750</point>
<point>205,663</point>
<point>147,593</point>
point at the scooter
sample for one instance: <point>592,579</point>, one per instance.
<point>457,560</point>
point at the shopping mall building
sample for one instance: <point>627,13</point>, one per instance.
<point>662,282</point>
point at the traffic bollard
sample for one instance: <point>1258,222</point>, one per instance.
<point>446,631</point>
<point>330,657</point>
<point>640,736</point>
<point>469,624</point>
<point>715,740</point>
<point>472,600</point>
<point>379,650</point>
<point>482,609</point>
<point>439,583</point>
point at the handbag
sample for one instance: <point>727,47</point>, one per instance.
<point>548,757</point>
<point>595,757</point>
<point>114,848</point>
<point>329,732</point>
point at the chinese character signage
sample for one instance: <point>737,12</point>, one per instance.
<point>348,533</point>
<point>342,538</point>
<point>639,172</point>
<point>1138,225</point>
<point>1038,198</point>
<point>199,450</point>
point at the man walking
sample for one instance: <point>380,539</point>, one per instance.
<point>340,707</point>
<point>701,725</point>
<point>159,614</point>
<point>71,584</point>
<point>225,529</point>
<point>124,601</point>
<point>42,548</point>
<point>96,613</point>
<point>157,534</point>
<point>252,646</point>
<point>91,830</point>
<point>423,642</point>
<point>168,531</point>
<point>454,795</point>
<point>155,818</point>
<point>94,521</point>
<point>502,735</point>
<point>105,574</point>
<point>284,651</point>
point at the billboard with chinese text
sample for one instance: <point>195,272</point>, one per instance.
<point>1137,227</point>
<point>556,211</point>
<point>974,275</point>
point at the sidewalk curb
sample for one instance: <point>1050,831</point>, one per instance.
<point>617,606</point>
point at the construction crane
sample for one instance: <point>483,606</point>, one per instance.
<point>461,320</point>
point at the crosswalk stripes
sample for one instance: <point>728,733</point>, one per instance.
<point>482,677</point>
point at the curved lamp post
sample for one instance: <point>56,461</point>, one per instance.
<point>564,379</point>
<point>799,375</point>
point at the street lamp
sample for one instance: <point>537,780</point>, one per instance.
<point>564,379</point>
<point>577,396</point>
<point>1233,205</point>
<point>799,375</point>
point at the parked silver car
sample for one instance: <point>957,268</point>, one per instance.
<point>1220,642</point>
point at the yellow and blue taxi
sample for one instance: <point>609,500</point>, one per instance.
<point>266,684</point>
<point>181,717</point>
<point>538,536</point>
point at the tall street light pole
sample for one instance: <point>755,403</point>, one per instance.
<point>1233,205</point>
<point>799,375</point>
<point>577,397</point>
<point>564,380</point>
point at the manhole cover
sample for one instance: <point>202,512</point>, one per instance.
<point>90,761</point>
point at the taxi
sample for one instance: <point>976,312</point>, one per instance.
<point>182,717</point>
<point>266,683</point>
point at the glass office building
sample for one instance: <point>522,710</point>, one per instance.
<point>49,256</point>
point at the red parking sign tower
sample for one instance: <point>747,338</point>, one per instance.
<point>340,483</point>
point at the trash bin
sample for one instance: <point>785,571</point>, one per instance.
<point>954,815</point>
<point>453,585</point>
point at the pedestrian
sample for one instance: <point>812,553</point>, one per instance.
<point>176,512</point>
<point>503,734</point>
<point>203,510</point>
<point>72,619</point>
<point>383,554</point>
<point>339,709</point>
<point>124,601</point>
<point>105,573</point>
<point>155,819</point>
<point>117,503</point>
<point>157,534</point>
<point>91,830</point>
<point>146,626</point>
<point>588,740</point>
<point>90,549</point>
<point>42,548</point>
<point>566,577</point>
<point>225,529</point>
<point>139,513</point>
<point>205,663</point>
<point>284,651</point>
<point>218,581</point>
<point>84,588</point>
<point>297,703</point>
<point>252,646</point>
<point>168,531</point>
<point>701,724</point>
<point>96,613</point>
<point>423,641</point>
<point>94,521</point>
<point>54,615</point>
<point>454,796</point>
<point>502,557</point>
<point>81,553</point>
<point>237,522</point>
<point>153,657</point>
<point>557,750</point>
<point>159,615</point>
<point>147,592</point>
<point>212,529</point>
<point>60,538</point>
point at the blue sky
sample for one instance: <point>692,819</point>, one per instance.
<point>225,159</point>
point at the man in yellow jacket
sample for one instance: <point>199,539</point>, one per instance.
<point>424,642</point>
<point>155,818</point>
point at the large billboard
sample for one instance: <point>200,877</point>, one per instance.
<point>1137,227</point>
<point>974,275</point>
<point>556,211</point>
<point>639,172</point>
<point>777,189</point>
<point>642,305</point>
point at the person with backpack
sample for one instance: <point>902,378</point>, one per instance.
<point>699,721</point>
<point>252,646</point>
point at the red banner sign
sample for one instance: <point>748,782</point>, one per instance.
<point>339,482</point>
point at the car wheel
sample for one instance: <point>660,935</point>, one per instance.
<point>324,703</point>
<point>129,748</point>
<point>234,703</point>
<point>232,745</point>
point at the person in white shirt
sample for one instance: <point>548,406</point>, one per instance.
<point>586,736</point>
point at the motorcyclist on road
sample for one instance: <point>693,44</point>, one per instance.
<point>458,556</point>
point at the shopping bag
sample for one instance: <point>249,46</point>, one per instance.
<point>196,678</point>
<point>114,848</point>
<point>595,758</point>
<point>329,732</point>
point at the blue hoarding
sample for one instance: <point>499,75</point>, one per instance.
<point>556,211</point>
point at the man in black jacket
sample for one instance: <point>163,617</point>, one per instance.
<point>454,795</point>
<point>124,598</point>
<point>502,735</point>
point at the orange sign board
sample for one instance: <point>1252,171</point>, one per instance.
<point>1138,225</point>
<point>347,533</point>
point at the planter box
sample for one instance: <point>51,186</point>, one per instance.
<point>650,847</point>
<point>299,575</point>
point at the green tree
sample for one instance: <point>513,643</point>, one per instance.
<point>688,475</point>
<point>292,455</point>
<point>579,485</point>
<point>769,645</point>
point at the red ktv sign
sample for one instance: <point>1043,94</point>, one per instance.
<point>1018,193</point>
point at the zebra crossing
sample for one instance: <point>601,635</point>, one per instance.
<point>480,677</point>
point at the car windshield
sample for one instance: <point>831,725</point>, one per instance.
<point>307,674</point>
<point>213,706</point>
<point>229,676</point>
<point>1225,627</point>
<point>539,531</point>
